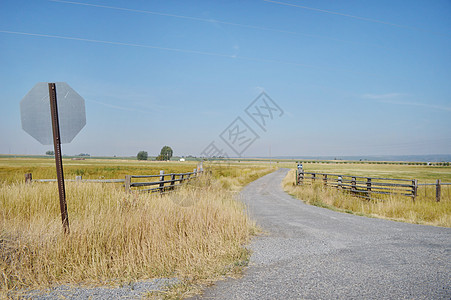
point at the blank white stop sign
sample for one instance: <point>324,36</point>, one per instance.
<point>36,117</point>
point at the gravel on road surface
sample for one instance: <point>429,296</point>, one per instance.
<point>135,290</point>
<point>315,253</point>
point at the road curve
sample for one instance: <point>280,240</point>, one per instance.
<point>314,253</point>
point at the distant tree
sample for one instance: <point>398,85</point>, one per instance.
<point>84,154</point>
<point>50,152</point>
<point>142,155</point>
<point>165,153</point>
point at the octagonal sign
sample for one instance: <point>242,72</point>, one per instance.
<point>36,117</point>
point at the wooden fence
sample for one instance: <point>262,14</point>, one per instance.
<point>362,186</point>
<point>366,187</point>
<point>438,188</point>
<point>163,184</point>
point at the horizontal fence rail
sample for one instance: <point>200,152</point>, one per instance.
<point>164,182</point>
<point>366,187</point>
<point>83,180</point>
<point>438,188</point>
<point>362,186</point>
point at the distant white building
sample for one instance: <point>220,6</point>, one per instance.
<point>182,159</point>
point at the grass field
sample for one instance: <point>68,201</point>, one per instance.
<point>13,170</point>
<point>425,174</point>
<point>196,233</point>
<point>423,211</point>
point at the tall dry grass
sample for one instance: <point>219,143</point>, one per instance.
<point>13,169</point>
<point>195,232</point>
<point>235,177</point>
<point>423,211</point>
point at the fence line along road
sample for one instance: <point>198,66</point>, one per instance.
<point>79,179</point>
<point>365,187</point>
<point>164,185</point>
<point>438,188</point>
<point>181,178</point>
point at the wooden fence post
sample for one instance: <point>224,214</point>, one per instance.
<point>438,191</point>
<point>325,179</point>
<point>313,177</point>
<point>353,184</point>
<point>200,167</point>
<point>28,178</point>
<point>127,183</point>
<point>172,181</point>
<point>161,183</point>
<point>78,178</point>
<point>339,181</point>
<point>368,184</point>
<point>299,170</point>
<point>181,178</point>
<point>414,189</point>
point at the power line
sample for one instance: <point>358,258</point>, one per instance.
<point>174,16</point>
<point>184,51</point>
<point>118,43</point>
<point>214,21</point>
<point>354,17</point>
<point>335,13</point>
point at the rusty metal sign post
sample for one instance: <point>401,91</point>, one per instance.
<point>58,158</point>
<point>43,114</point>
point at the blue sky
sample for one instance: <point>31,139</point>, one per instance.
<point>351,77</point>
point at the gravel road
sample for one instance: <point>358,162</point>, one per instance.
<point>135,290</point>
<point>314,253</point>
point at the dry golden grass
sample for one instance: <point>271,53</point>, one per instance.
<point>425,174</point>
<point>13,169</point>
<point>234,177</point>
<point>197,232</point>
<point>423,211</point>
